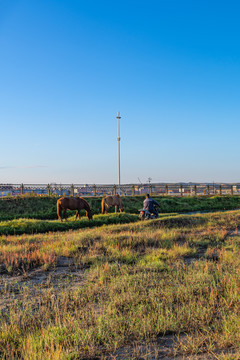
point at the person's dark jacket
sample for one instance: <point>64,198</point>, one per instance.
<point>149,203</point>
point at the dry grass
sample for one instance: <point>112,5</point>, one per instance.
<point>143,280</point>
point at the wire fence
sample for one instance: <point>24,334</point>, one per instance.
<point>170,189</point>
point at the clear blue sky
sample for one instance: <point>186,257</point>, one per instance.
<point>172,69</point>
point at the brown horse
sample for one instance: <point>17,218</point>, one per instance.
<point>114,200</point>
<point>78,204</point>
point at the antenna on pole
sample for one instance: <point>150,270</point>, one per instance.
<point>118,139</point>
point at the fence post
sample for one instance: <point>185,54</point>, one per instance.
<point>48,190</point>
<point>72,190</point>
<point>231,189</point>
<point>166,190</point>
<point>220,189</point>
<point>181,190</point>
<point>133,190</point>
<point>22,189</point>
<point>94,190</point>
<point>195,190</point>
<point>114,189</point>
<point>208,190</point>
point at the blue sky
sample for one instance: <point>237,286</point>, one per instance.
<point>172,69</point>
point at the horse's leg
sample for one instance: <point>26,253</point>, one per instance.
<point>59,212</point>
<point>115,209</point>
<point>64,214</point>
<point>77,213</point>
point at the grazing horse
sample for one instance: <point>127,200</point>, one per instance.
<point>114,200</point>
<point>78,204</point>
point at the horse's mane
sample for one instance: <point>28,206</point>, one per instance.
<point>85,202</point>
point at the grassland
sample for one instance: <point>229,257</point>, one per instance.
<point>136,283</point>
<point>34,226</point>
<point>44,208</point>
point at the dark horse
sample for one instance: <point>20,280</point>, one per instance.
<point>78,204</point>
<point>113,200</point>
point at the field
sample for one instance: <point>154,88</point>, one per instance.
<point>118,288</point>
<point>44,208</point>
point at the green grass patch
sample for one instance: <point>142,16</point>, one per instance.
<point>33,226</point>
<point>44,207</point>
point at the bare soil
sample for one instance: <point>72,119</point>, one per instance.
<point>161,348</point>
<point>64,275</point>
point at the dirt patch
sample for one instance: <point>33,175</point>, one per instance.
<point>160,348</point>
<point>64,275</point>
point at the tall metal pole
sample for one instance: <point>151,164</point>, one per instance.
<point>118,139</point>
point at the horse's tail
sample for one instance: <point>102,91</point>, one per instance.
<point>59,210</point>
<point>103,205</point>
